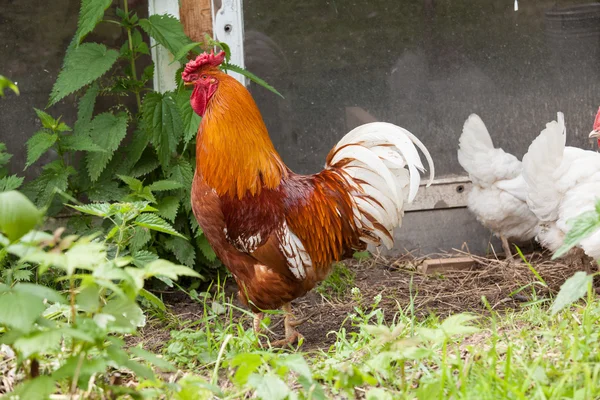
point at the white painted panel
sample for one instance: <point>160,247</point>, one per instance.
<point>228,27</point>
<point>164,71</point>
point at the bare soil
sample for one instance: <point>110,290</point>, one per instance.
<point>397,280</point>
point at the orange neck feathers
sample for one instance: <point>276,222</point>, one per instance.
<point>234,153</point>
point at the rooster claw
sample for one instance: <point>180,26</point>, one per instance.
<point>289,340</point>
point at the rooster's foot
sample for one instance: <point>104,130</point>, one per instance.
<point>506,247</point>
<point>290,322</point>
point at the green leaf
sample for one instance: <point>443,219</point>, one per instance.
<point>88,298</point>
<point>6,83</point>
<point>90,15</point>
<point>20,310</point>
<point>47,120</point>
<point>38,144</point>
<point>572,290</point>
<point>153,299</point>
<point>11,182</point>
<point>162,185</point>
<point>183,51</point>
<point>168,269</point>
<point>156,223</point>
<point>167,31</point>
<point>135,149</point>
<point>82,66</point>
<point>190,120</point>
<point>580,228</point>
<point>143,257</point>
<point>39,291</point>
<point>39,388</point>
<point>98,209</point>
<point>85,109</point>
<point>458,324</point>
<point>18,215</point>
<point>298,364</point>
<point>140,237</point>
<point>251,76</point>
<point>152,358</point>
<point>38,343</point>
<point>128,315</point>
<point>134,184</point>
<point>167,207</point>
<point>162,120</point>
<point>268,387</point>
<point>54,176</point>
<point>247,364</point>
<point>183,250</point>
<point>182,172</point>
<point>108,131</point>
<point>79,142</point>
<point>85,369</point>
<point>206,249</point>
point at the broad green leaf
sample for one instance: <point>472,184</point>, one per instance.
<point>572,290</point>
<point>135,149</point>
<point>298,364</point>
<point>40,342</point>
<point>82,66</point>
<point>251,76</point>
<point>580,228</point>
<point>168,269</point>
<point>143,257</point>
<point>17,215</point>
<point>20,310</point>
<point>39,388</point>
<point>147,163</point>
<point>85,109</point>
<point>182,172</point>
<point>85,255</point>
<point>134,184</point>
<point>156,223</point>
<point>183,51</point>
<point>38,144</point>
<point>153,299</point>
<point>206,249</point>
<point>80,142</point>
<point>54,176</point>
<point>165,185</point>
<point>268,387</point>
<point>128,315</point>
<point>91,366</point>
<point>163,123</point>
<point>140,237</point>
<point>167,31</point>
<point>189,119</point>
<point>247,364</point>
<point>183,250</point>
<point>42,292</point>
<point>6,83</point>
<point>90,15</point>
<point>108,131</point>
<point>88,298</point>
<point>152,358</point>
<point>97,209</point>
<point>106,190</point>
<point>11,182</point>
<point>46,119</point>
<point>167,207</point>
<point>458,324</point>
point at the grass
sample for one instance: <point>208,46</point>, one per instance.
<point>339,281</point>
<point>520,354</point>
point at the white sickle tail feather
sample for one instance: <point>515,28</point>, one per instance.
<point>381,164</point>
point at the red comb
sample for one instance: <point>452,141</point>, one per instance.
<point>597,121</point>
<point>210,59</point>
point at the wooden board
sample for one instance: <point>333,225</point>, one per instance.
<point>439,265</point>
<point>196,17</point>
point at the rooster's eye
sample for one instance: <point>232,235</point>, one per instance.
<point>205,77</point>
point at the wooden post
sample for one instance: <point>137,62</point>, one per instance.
<point>196,17</point>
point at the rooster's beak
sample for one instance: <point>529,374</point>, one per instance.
<point>189,83</point>
<point>595,134</point>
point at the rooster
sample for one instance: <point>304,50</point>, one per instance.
<point>278,232</point>
<point>563,182</point>
<point>499,194</point>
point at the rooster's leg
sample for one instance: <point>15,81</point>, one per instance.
<point>291,334</point>
<point>507,253</point>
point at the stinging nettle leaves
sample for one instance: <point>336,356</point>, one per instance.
<point>108,131</point>
<point>156,223</point>
<point>90,15</point>
<point>167,31</point>
<point>580,228</point>
<point>190,120</point>
<point>251,76</point>
<point>163,123</point>
<point>38,144</point>
<point>82,66</point>
<point>572,290</point>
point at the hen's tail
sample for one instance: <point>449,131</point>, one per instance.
<point>539,164</point>
<point>477,155</point>
<point>381,164</point>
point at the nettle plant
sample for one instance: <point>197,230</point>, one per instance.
<point>139,152</point>
<point>62,342</point>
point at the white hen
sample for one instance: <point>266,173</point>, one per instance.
<point>563,182</point>
<point>498,197</point>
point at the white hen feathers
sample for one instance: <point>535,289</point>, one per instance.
<point>498,196</point>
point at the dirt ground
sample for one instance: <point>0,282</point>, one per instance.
<point>443,293</point>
